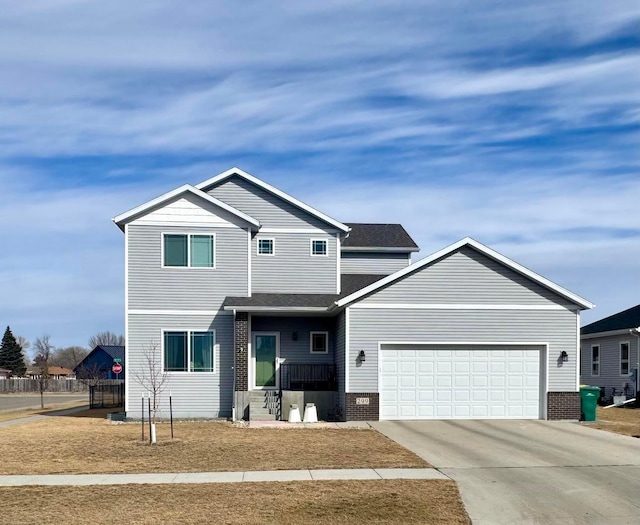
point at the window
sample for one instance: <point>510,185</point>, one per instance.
<point>265,246</point>
<point>595,360</point>
<point>319,342</point>
<point>624,359</point>
<point>187,250</point>
<point>189,351</point>
<point>318,247</point>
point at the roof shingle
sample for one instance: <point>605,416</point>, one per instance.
<point>629,318</point>
<point>378,236</point>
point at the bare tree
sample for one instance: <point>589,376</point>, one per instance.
<point>106,338</point>
<point>43,349</point>
<point>91,374</point>
<point>25,345</point>
<point>151,376</point>
<point>68,357</point>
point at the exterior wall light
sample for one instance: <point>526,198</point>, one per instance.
<point>564,357</point>
<point>361,356</point>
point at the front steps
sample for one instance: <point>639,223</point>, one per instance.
<point>264,405</point>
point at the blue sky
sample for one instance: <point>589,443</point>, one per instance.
<point>513,124</point>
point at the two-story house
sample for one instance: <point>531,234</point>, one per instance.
<point>254,300</point>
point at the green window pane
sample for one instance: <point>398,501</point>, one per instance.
<point>175,250</point>
<point>175,351</point>
<point>265,246</point>
<point>319,248</point>
<point>202,351</point>
<point>202,251</point>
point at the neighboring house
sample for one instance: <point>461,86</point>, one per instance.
<point>99,362</point>
<point>55,372</point>
<point>5,373</point>
<point>254,300</point>
<point>609,350</point>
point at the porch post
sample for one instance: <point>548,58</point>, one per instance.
<point>241,332</point>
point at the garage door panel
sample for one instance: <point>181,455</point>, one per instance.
<point>435,383</point>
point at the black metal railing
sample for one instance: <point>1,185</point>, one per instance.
<point>298,376</point>
<point>106,395</point>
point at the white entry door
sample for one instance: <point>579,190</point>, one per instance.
<point>461,382</point>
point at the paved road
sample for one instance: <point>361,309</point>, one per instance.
<point>528,472</point>
<point>21,401</point>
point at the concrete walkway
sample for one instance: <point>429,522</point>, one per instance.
<point>32,419</point>
<point>221,477</point>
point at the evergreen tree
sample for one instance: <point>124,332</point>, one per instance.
<point>11,356</point>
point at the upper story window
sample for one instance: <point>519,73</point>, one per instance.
<point>624,359</point>
<point>188,250</point>
<point>266,246</point>
<point>188,351</point>
<point>318,247</point>
<point>319,342</point>
<point>595,360</point>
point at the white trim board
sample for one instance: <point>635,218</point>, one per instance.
<point>595,335</point>
<point>128,216</point>
<point>273,190</point>
<point>485,250</point>
<point>445,306</point>
<point>151,311</point>
<point>126,316</point>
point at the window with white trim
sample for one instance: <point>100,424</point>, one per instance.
<point>266,246</point>
<point>188,351</point>
<point>319,342</point>
<point>624,359</point>
<point>319,247</point>
<point>182,250</point>
<point>595,360</point>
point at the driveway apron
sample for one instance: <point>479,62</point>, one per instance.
<point>531,472</point>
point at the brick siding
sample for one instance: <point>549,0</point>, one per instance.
<point>370,412</point>
<point>241,334</point>
<point>563,405</point>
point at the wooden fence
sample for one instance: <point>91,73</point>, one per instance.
<point>18,385</point>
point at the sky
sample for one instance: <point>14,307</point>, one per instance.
<point>513,123</point>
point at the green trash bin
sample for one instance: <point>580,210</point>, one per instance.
<point>589,396</point>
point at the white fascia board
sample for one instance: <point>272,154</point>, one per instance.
<point>610,333</point>
<point>378,249</point>
<point>272,189</point>
<point>127,216</point>
<point>293,309</point>
<point>467,241</point>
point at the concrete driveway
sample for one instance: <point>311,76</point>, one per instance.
<point>528,472</point>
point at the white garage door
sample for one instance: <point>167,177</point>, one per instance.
<point>461,382</point>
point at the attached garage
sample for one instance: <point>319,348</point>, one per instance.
<point>486,381</point>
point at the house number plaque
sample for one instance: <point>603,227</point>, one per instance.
<point>362,400</point>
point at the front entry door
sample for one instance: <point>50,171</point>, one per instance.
<point>266,347</point>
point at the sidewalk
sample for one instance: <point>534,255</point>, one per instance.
<point>40,417</point>
<point>221,477</point>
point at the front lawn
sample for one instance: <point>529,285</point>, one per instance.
<point>392,502</point>
<point>619,420</point>
<point>76,444</point>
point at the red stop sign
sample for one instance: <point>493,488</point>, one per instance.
<point>116,368</point>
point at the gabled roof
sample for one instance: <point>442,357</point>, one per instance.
<point>113,351</point>
<point>134,213</point>
<point>204,186</point>
<point>378,237</point>
<point>468,241</point>
<point>629,318</point>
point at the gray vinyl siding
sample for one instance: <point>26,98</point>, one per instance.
<point>297,351</point>
<point>340,341</point>
<point>270,210</point>
<point>152,286</point>
<point>368,327</point>
<point>198,395</point>
<point>292,268</point>
<point>372,262</point>
<point>610,376</point>
<point>466,277</point>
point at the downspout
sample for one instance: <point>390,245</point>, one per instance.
<point>636,332</point>
<point>233,401</point>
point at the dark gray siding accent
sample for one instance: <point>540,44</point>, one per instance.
<point>270,210</point>
<point>340,340</point>
<point>368,327</point>
<point>204,395</point>
<point>297,351</point>
<point>372,262</point>
<point>609,361</point>
<point>151,286</point>
<point>293,269</point>
<point>466,277</point>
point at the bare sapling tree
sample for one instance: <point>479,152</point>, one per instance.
<point>91,374</point>
<point>106,338</point>
<point>151,376</point>
<point>43,349</point>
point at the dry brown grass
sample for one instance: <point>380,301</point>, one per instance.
<point>28,412</point>
<point>88,445</point>
<point>619,420</point>
<point>308,502</point>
